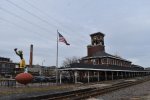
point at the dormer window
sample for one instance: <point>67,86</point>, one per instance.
<point>94,62</point>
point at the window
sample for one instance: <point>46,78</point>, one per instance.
<point>104,60</point>
<point>94,61</point>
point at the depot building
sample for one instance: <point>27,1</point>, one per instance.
<point>99,65</point>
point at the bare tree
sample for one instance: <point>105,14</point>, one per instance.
<point>71,60</point>
<point>67,63</point>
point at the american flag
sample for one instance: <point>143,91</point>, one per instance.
<point>62,39</point>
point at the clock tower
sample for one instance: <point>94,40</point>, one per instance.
<point>97,44</point>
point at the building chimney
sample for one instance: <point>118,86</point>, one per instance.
<point>31,55</point>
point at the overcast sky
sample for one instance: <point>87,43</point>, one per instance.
<point>125,23</point>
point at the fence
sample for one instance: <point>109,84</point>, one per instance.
<point>8,82</point>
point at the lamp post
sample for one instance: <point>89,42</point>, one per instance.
<point>43,62</point>
<point>41,67</point>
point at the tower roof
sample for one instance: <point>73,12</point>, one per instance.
<point>97,33</point>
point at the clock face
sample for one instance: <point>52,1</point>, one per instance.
<point>95,37</point>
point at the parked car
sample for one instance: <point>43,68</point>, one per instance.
<point>37,79</point>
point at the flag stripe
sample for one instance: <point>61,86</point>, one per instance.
<point>62,39</point>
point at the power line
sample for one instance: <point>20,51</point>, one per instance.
<point>23,28</point>
<point>50,17</point>
<point>25,20</point>
<point>35,15</point>
<point>43,20</point>
<point>59,23</point>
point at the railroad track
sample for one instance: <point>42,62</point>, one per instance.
<point>87,93</point>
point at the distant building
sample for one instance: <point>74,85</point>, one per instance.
<point>148,68</point>
<point>137,66</point>
<point>38,70</point>
<point>7,67</point>
<point>49,71</point>
<point>35,70</point>
<point>10,69</point>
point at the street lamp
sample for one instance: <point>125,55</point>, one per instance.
<point>43,62</point>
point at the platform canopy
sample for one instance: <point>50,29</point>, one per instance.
<point>90,67</point>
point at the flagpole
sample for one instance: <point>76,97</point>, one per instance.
<point>57,61</point>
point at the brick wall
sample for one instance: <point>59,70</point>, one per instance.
<point>92,49</point>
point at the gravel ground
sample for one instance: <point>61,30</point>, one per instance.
<point>15,93</point>
<point>137,92</point>
<point>24,95</point>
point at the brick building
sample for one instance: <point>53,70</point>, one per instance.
<point>99,65</point>
<point>37,70</point>
<point>96,53</point>
<point>7,67</point>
